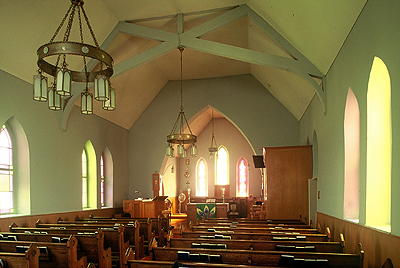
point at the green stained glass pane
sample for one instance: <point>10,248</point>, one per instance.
<point>4,182</point>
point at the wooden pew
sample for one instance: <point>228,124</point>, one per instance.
<point>88,245</point>
<point>51,254</point>
<point>251,229</point>
<point>158,264</point>
<point>252,224</point>
<point>259,221</point>
<point>260,245</point>
<point>258,236</point>
<point>92,242</point>
<point>131,230</point>
<point>157,223</point>
<point>138,234</point>
<point>29,259</point>
<point>268,258</point>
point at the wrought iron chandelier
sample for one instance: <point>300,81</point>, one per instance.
<point>213,148</point>
<point>177,136</point>
<point>63,76</point>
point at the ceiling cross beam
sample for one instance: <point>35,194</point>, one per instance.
<point>297,64</point>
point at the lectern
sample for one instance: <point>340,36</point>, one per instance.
<point>149,208</point>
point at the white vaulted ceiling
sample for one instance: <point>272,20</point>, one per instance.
<point>287,45</point>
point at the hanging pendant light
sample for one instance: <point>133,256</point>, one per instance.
<point>86,102</point>
<point>40,87</point>
<point>63,81</point>
<point>109,104</point>
<point>66,49</point>
<point>169,151</point>
<point>54,99</point>
<point>177,136</point>
<point>193,150</point>
<point>101,90</point>
<point>213,148</point>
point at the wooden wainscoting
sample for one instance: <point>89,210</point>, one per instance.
<point>377,245</point>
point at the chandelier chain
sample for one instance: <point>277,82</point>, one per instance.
<point>80,25</point>
<point>181,48</point>
<point>90,28</point>
<point>61,24</point>
<point>82,41</point>
<point>69,25</point>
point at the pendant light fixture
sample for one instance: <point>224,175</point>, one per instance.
<point>63,75</point>
<point>177,136</point>
<point>213,148</point>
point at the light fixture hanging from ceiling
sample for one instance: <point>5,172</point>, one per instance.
<point>63,76</point>
<point>213,148</point>
<point>177,136</point>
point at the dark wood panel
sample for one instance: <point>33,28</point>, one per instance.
<point>287,172</point>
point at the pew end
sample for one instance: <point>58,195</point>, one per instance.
<point>72,244</point>
<point>388,263</point>
<point>32,255</point>
<point>342,242</point>
<point>12,225</point>
<point>38,222</point>
<point>360,252</point>
<point>328,234</point>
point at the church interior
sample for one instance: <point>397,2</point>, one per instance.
<point>279,110</point>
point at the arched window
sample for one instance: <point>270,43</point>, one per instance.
<point>6,172</point>
<point>201,178</point>
<point>222,166</point>
<point>242,178</point>
<point>84,180</point>
<point>89,177</point>
<point>15,184</point>
<point>352,158</point>
<point>106,179</point>
<point>379,147</point>
<point>101,181</point>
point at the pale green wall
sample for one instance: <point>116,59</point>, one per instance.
<point>242,99</point>
<point>376,33</point>
<point>55,156</point>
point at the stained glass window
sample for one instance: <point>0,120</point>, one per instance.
<point>102,181</point>
<point>379,147</point>
<point>222,166</point>
<point>201,178</point>
<point>242,178</point>
<point>6,172</point>
<point>84,180</point>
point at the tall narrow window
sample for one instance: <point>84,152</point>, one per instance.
<point>222,166</point>
<point>242,178</point>
<point>379,147</point>
<point>89,177</point>
<point>102,181</point>
<point>352,158</point>
<point>201,178</point>
<point>6,172</point>
<point>84,180</point>
<point>107,179</point>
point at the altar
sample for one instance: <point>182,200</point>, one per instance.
<point>220,210</point>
